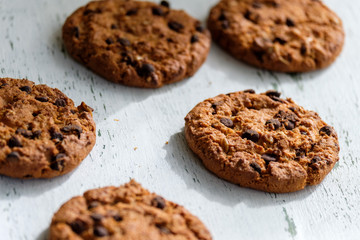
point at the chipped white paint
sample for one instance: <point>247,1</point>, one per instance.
<point>130,118</point>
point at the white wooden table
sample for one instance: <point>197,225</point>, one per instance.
<point>134,126</point>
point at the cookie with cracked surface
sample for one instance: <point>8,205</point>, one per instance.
<point>126,212</point>
<point>140,44</point>
<point>278,35</point>
<point>42,133</point>
<point>262,141</point>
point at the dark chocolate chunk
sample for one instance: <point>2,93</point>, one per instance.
<point>36,134</point>
<point>256,167</point>
<point>24,132</point>
<point>76,32</point>
<point>56,135</point>
<point>222,17</point>
<point>58,162</point>
<point>274,123</point>
<point>327,130</point>
<point>100,231</point>
<point>158,11</point>
<point>145,70</point>
<point>96,217</point>
<point>109,41</point>
<point>227,122</point>
<point>247,15</point>
<point>42,99</point>
<point>315,160</point>
<point>268,157</point>
<point>251,135</point>
<point>289,125</point>
<point>13,156</point>
<point>123,41</point>
<point>290,22</point>
<point>132,12</point>
<point>25,89</point>
<point>117,217</point>
<point>273,93</point>
<point>199,28</point>
<point>60,102</point>
<point>280,40</point>
<point>252,91</point>
<point>176,26</point>
<point>3,85</point>
<point>14,142</point>
<point>78,226</point>
<point>194,39</point>
<point>165,4</point>
<point>303,49</point>
<point>72,128</point>
<point>158,202</point>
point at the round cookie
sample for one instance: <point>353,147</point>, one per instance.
<point>126,212</point>
<point>261,141</point>
<point>278,35</point>
<point>42,133</point>
<point>140,44</point>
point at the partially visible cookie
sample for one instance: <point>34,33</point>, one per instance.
<point>278,35</point>
<point>126,212</point>
<point>140,44</point>
<point>261,141</point>
<point>42,133</point>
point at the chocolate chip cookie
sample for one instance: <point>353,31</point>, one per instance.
<point>140,44</point>
<point>42,133</point>
<point>278,35</point>
<point>262,141</point>
<point>125,212</point>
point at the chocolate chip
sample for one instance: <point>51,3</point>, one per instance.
<point>222,17</point>
<point>123,41</point>
<point>60,102</point>
<point>289,125</point>
<point>165,4</point>
<point>13,156</point>
<point>252,91</point>
<point>163,228</point>
<point>3,85</point>
<point>268,157</point>
<point>78,226</point>
<point>158,202</point>
<point>256,167</point>
<point>225,24</point>
<point>280,40</point>
<point>93,204</point>
<point>145,70</point>
<point>132,12</point>
<point>23,132</point>
<point>290,22</point>
<point>114,26</point>
<point>72,128</point>
<point>247,15</point>
<point>303,49</point>
<point>199,28</point>
<point>327,130</point>
<point>14,142</point>
<point>76,32</point>
<point>57,163</point>
<point>25,89</point>
<point>256,4</point>
<point>315,160</point>
<point>274,123</point>
<point>227,122</point>
<point>36,134</point>
<point>128,59</point>
<point>175,26</point>
<point>259,55</point>
<point>109,41</point>
<point>36,113</point>
<point>100,231</point>
<point>292,109</point>
<point>158,11</point>
<point>251,135</point>
<point>194,39</point>
<point>117,218</point>
<point>42,99</point>
<point>96,217</point>
<point>272,93</point>
<point>56,135</point>
<point>59,156</point>
<point>88,11</point>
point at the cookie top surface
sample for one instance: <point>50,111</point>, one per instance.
<point>262,141</point>
<point>126,212</point>
<point>42,133</point>
<point>135,43</point>
<point>278,35</point>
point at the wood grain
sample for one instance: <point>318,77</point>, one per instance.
<point>134,126</point>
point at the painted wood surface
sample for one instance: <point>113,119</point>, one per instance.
<point>140,133</point>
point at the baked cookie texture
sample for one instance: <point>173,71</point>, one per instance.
<point>42,133</point>
<point>261,141</point>
<point>140,44</point>
<point>278,35</point>
<point>127,212</point>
